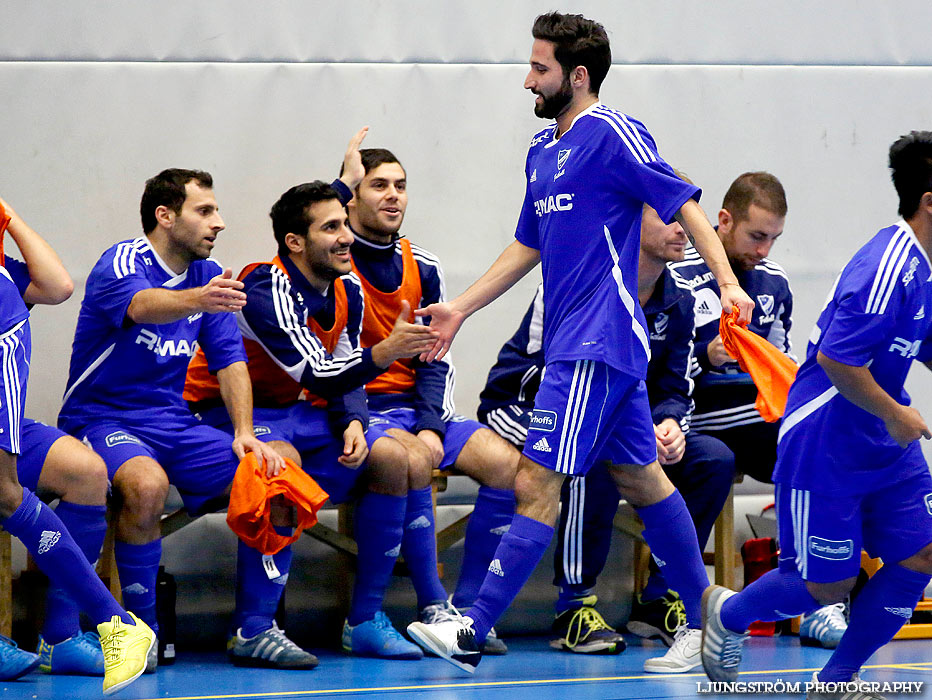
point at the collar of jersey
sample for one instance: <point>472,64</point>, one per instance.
<point>909,229</point>
<point>301,283</point>
<point>585,112</point>
<point>174,279</point>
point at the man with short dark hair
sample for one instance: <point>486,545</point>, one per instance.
<point>750,221</point>
<point>850,472</point>
<point>413,400</point>
<point>301,327</point>
<point>588,176</point>
<point>149,303</point>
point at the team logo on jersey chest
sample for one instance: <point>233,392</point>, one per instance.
<point>544,421</point>
<point>765,302</point>
<point>661,321</point>
<point>830,549</point>
<point>928,500</point>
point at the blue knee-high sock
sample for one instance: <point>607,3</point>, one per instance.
<point>87,525</point>
<point>518,553</point>
<point>490,519</point>
<point>671,536</point>
<point>656,587</point>
<point>883,606</point>
<point>56,553</point>
<point>138,565</point>
<point>379,527</point>
<point>260,581</point>
<point>419,548</point>
<point>774,596</point>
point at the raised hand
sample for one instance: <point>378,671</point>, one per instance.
<point>353,170</point>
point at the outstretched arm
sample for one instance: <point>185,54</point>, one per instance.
<point>693,219</point>
<point>446,318</point>
<point>161,305</point>
<point>50,282</point>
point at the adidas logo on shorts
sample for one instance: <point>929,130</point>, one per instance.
<point>496,568</point>
<point>47,540</point>
<point>542,445</point>
<point>419,523</point>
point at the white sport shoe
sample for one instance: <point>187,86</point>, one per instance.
<point>452,640</point>
<point>721,648</point>
<point>683,655</point>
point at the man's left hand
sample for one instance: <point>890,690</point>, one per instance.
<point>434,444</point>
<point>355,449</point>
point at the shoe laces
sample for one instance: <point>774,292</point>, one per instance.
<point>731,649</point>
<point>112,644</point>
<point>440,612</point>
<point>584,619</point>
<point>381,622</point>
<point>677,610</point>
<point>682,635</point>
<point>834,616</point>
<point>279,636</point>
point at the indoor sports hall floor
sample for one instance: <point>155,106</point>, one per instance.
<point>530,671</point>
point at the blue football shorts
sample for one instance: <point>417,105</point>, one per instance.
<point>586,411</point>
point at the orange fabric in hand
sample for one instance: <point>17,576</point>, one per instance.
<point>772,371</point>
<point>249,515</point>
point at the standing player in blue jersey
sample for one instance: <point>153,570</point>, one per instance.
<point>124,639</point>
<point>149,303</point>
<point>701,467</point>
<point>588,176</point>
<point>850,473</point>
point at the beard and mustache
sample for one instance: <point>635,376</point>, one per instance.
<point>552,105</point>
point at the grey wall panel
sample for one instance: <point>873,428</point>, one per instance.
<point>82,138</point>
<point>485,31</point>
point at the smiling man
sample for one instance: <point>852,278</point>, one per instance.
<point>589,173</point>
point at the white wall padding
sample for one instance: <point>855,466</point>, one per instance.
<point>797,32</point>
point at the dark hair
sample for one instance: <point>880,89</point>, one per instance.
<point>167,189</point>
<point>911,166</point>
<point>760,188</point>
<point>577,41</point>
<point>374,157</point>
<point>290,214</point>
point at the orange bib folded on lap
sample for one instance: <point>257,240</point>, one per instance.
<point>772,371</point>
<point>249,515</point>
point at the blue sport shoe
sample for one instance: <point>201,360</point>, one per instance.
<point>15,662</point>
<point>80,655</point>
<point>824,627</point>
<point>378,638</point>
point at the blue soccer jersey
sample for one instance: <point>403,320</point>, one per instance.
<point>120,369</point>
<point>12,307</point>
<point>878,315</point>
<point>582,211</point>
